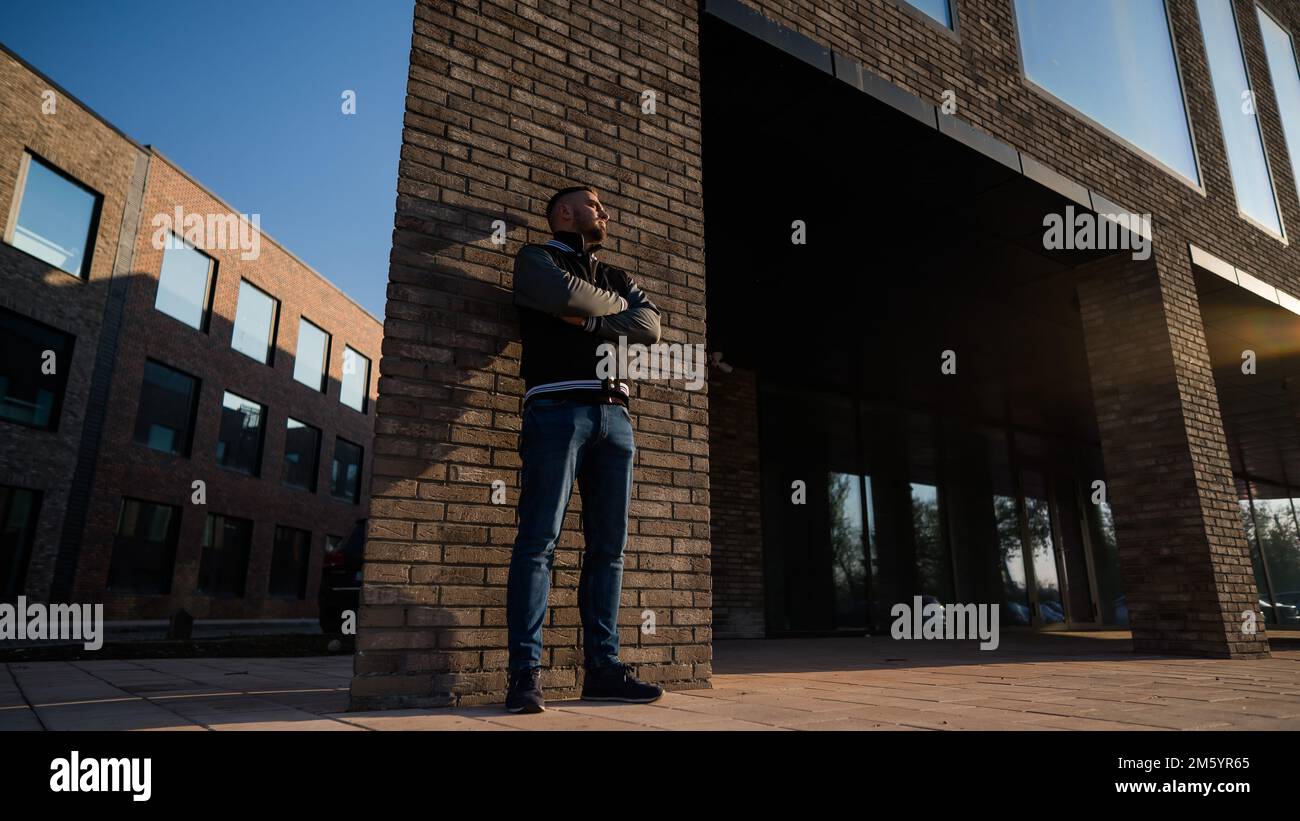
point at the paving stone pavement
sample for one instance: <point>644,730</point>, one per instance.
<point>1032,682</point>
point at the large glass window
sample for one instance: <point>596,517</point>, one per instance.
<point>1038,520</point>
<point>301,455</point>
<point>1280,49</point>
<point>852,534</point>
<point>938,9</point>
<point>185,283</point>
<point>18,511</point>
<point>345,472</point>
<point>240,444</point>
<point>255,323</point>
<point>1113,61</point>
<point>168,404</point>
<point>933,568</point>
<point>56,218</point>
<point>289,560</point>
<point>223,565</point>
<point>1241,135</point>
<point>311,362</point>
<point>144,549</point>
<point>355,392</point>
<point>33,370</point>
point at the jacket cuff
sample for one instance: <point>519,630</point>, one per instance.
<point>590,324</point>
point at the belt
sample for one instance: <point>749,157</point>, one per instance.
<point>584,396</point>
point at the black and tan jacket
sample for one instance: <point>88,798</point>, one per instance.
<point>564,278</point>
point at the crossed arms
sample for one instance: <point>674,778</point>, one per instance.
<point>542,285</point>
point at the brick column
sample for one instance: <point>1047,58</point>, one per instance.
<point>1183,555</point>
<point>507,103</point>
<point>735,488</point>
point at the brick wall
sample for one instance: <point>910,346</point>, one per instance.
<point>736,522</point>
<point>506,104</point>
<point>130,469</point>
<point>74,140</point>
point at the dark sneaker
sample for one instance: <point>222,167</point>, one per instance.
<point>616,683</point>
<point>524,692</point>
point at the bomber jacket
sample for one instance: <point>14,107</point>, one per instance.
<point>563,277</point>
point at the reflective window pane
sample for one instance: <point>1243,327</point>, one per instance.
<point>254,323</point>
<point>933,569</point>
<point>184,283</point>
<point>1280,49</point>
<point>144,549</point>
<point>240,444</point>
<point>32,381</point>
<point>311,362</point>
<point>19,508</point>
<point>345,472</point>
<point>938,9</point>
<point>1241,134</point>
<point>223,565</point>
<point>849,527</point>
<point>1043,550</point>
<point>55,219</point>
<point>355,391</point>
<point>289,561</point>
<point>1113,60</point>
<point>301,455</point>
<point>168,401</point>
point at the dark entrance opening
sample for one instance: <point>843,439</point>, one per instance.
<point>884,476</point>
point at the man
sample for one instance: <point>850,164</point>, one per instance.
<point>574,426</point>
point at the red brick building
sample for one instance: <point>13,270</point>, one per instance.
<point>919,392</point>
<point>212,431</point>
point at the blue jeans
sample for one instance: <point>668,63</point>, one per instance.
<point>562,440</point>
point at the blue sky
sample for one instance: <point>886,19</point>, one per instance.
<point>246,97</point>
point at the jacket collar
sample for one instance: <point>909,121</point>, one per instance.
<point>574,242</point>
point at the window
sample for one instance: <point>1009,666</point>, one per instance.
<point>1280,49</point>
<point>345,473</point>
<point>144,548</point>
<point>311,363</point>
<point>301,455</point>
<point>57,218</point>
<point>355,392</point>
<point>240,444</point>
<point>938,9</point>
<point>289,560</point>
<point>224,562</point>
<point>18,511</point>
<point>33,370</point>
<point>1113,61</point>
<point>1241,134</point>
<point>169,402</point>
<point>255,323</point>
<point>185,283</point>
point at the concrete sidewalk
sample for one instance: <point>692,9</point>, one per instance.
<point>1044,681</point>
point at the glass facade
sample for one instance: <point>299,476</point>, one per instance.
<point>1113,61</point>
<point>255,317</point>
<point>311,362</point>
<point>872,505</point>
<point>56,219</point>
<point>355,392</point>
<point>940,10</point>
<point>1242,139</point>
<point>33,371</point>
<point>223,565</point>
<point>1279,47</point>
<point>239,446</point>
<point>185,283</point>
<point>168,404</point>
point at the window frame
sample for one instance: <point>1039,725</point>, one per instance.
<point>205,323</point>
<point>173,536</point>
<point>1259,126</point>
<point>365,387</point>
<point>273,336</point>
<point>256,473</point>
<point>913,11</point>
<point>1197,185</point>
<point>361,470</point>
<point>15,208</point>
<point>61,373</point>
<point>211,520</point>
<point>1277,103</point>
<point>314,482</point>
<point>324,382</point>
<point>188,451</point>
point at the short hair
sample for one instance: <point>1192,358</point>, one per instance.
<point>563,192</point>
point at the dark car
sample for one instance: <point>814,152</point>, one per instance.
<point>340,583</point>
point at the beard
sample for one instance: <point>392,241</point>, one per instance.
<point>592,231</point>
